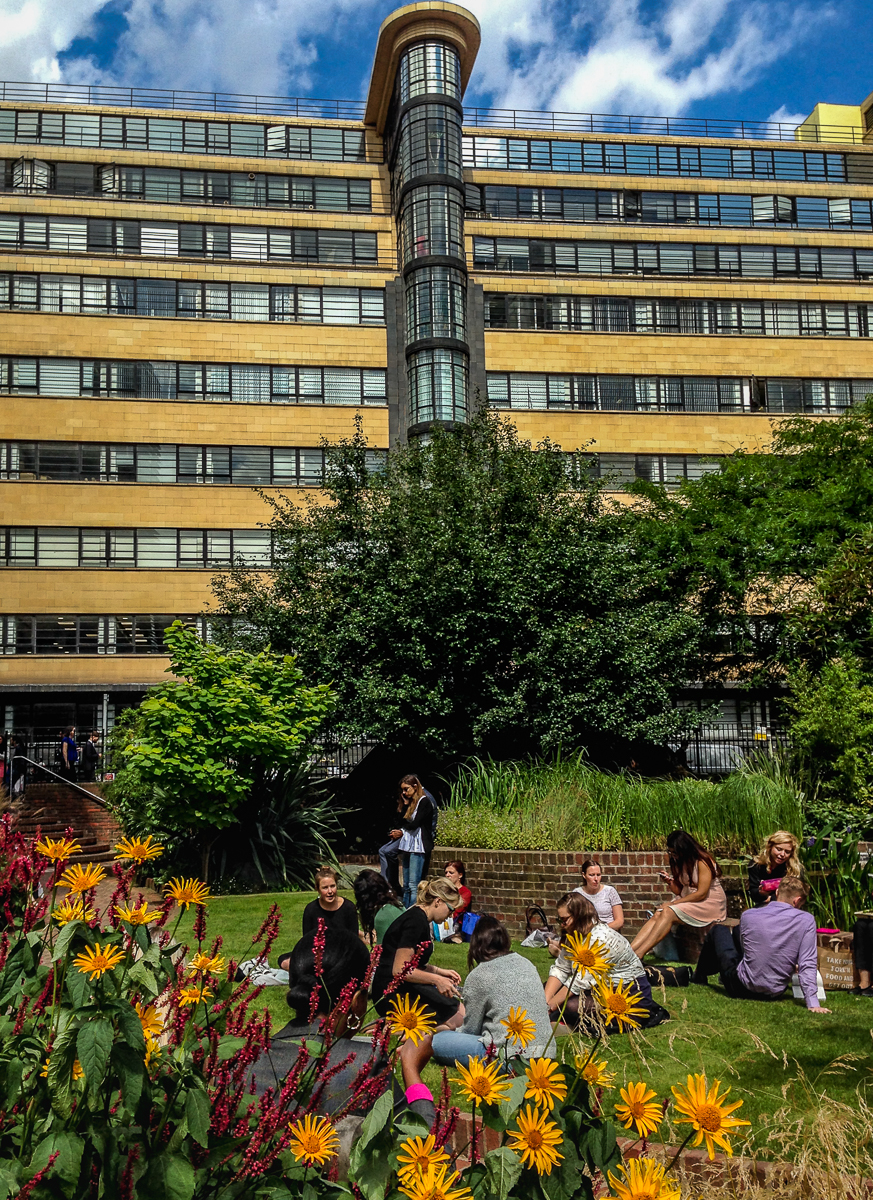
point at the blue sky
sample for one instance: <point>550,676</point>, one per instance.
<point>719,58</point>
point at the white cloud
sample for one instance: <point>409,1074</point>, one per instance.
<point>783,116</point>
<point>33,32</point>
<point>614,56</point>
<point>596,56</point>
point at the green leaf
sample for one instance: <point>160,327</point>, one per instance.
<point>10,1178</point>
<point>142,974</point>
<point>69,1149</point>
<point>513,1102</point>
<point>129,1065</point>
<point>228,1046</point>
<point>93,1047</point>
<point>170,1177</point>
<point>197,1114</point>
<point>600,1147</point>
<point>503,1169</point>
<point>376,1120</point>
<point>68,934</point>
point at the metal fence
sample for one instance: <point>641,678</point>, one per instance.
<point>722,749</point>
<point>487,118</point>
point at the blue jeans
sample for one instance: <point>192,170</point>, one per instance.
<point>389,861</point>
<point>453,1049</point>
<point>413,869</point>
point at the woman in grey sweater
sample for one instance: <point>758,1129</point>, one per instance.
<point>499,980</point>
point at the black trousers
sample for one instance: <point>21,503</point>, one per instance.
<point>862,944</point>
<point>722,954</point>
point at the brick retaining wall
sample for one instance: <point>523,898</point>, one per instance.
<point>505,882</point>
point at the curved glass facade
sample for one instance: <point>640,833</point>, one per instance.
<point>430,68</point>
<point>435,304</point>
<point>426,144</point>
<point>437,386</point>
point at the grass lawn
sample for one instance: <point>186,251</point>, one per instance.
<point>764,1051</point>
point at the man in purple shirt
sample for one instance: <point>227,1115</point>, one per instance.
<point>775,941</point>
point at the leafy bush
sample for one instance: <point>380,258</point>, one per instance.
<point>213,764</point>
<point>567,805</point>
<point>840,885</point>
<point>832,732</point>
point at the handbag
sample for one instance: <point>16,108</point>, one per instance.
<point>534,910</point>
<point>469,921</point>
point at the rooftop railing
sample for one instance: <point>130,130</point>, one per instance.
<point>474,117</point>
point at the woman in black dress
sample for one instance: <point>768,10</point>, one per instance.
<point>437,987</point>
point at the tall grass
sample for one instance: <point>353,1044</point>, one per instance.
<point>566,804</point>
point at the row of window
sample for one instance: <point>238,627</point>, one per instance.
<point>608,314</point>
<point>177,136</point>
<point>99,295</point>
<point>171,239</point>
<point>667,469</point>
<point>26,546</point>
<point>71,634</point>
<point>673,393</point>
<point>670,258</point>
<point>637,158</point>
<point>590,205</point>
<point>169,185</point>
<point>215,382</point>
<point>167,463</point>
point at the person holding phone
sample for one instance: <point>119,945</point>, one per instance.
<point>777,861</point>
<point>694,881</point>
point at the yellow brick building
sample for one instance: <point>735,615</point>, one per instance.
<point>193,296</point>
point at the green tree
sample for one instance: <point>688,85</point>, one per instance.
<point>752,539</point>
<point>477,594</point>
<point>219,748</point>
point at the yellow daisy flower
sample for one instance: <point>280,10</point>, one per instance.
<point>437,1182</point>
<point>82,879</point>
<point>188,891</point>
<point>72,910</point>
<point>314,1140</point>
<point>151,1020</point>
<point>411,1021</point>
<point>545,1083</point>
<point>58,851</point>
<point>483,1084</point>
<point>585,954</point>
<point>137,916</point>
<point>520,1029</point>
<point>138,849</point>
<point>193,995</point>
<point>595,1073</point>
<point>644,1179</point>
<point>153,1050</point>
<point>620,1004</point>
<point>536,1140</point>
<point>417,1154</point>
<point>203,964</point>
<point>98,961</point>
<point>640,1109</point>
<point>706,1112</point>
<point>78,1073</point>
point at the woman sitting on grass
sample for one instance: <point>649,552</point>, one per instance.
<point>603,896</point>
<point>694,881</point>
<point>456,873</point>
<point>329,906</point>
<point>378,905</point>
<point>345,960</point>
<point>778,858</point>
<point>568,990</point>
<point>436,987</point>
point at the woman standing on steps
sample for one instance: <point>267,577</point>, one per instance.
<point>694,881</point>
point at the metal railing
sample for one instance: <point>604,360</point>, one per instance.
<point>650,126</point>
<point>174,196</point>
<point>721,749</point>
<point>193,101</point>
<point>477,267</point>
<point>474,117</point>
<point>37,773</point>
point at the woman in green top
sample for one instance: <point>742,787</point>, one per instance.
<point>377,904</point>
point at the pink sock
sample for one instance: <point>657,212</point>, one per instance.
<point>418,1091</point>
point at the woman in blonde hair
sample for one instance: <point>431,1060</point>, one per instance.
<point>437,987</point>
<point>777,859</point>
